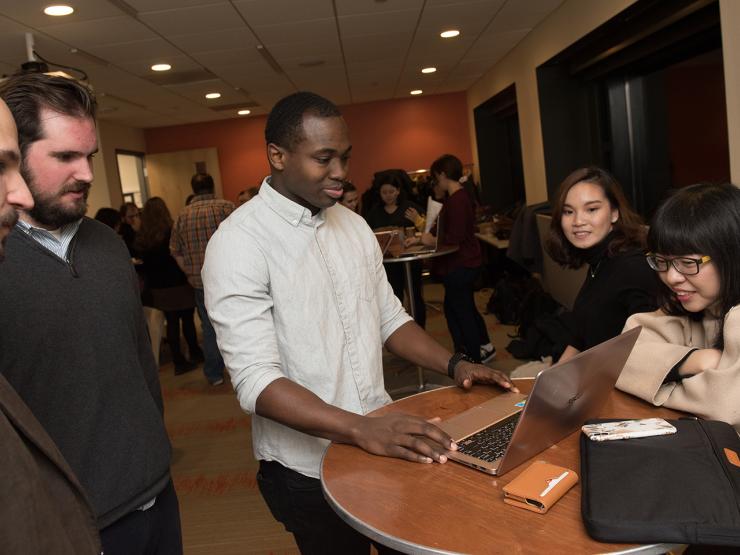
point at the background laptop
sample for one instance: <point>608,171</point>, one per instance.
<point>500,434</point>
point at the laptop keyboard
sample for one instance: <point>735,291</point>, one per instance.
<point>490,443</point>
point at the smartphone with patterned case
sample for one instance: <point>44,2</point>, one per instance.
<point>627,429</point>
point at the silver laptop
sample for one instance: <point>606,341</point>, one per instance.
<point>502,433</point>
<point>422,249</point>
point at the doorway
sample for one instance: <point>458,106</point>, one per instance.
<point>132,174</point>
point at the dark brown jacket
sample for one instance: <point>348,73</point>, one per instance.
<point>42,506</point>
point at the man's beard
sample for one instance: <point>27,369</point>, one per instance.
<point>48,209</point>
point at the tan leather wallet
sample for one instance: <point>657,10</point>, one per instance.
<point>539,487</point>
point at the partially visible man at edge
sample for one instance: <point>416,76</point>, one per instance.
<point>78,351</point>
<point>42,506</point>
<point>302,307</point>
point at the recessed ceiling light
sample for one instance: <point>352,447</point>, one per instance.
<point>244,112</point>
<point>416,91</point>
<point>429,70</point>
<point>161,67</point>
<point>58,10</point>
<point>213,95</point>
<point>449,33</point>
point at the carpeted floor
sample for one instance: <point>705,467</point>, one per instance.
<point>213,468</point>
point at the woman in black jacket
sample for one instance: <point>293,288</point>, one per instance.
<point>165,285</point>
<point>592,223</point>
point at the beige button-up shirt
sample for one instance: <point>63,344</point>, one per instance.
<point>302,297</point>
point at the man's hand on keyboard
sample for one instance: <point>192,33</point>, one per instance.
<point>468,373</point>
<point>403,436</point>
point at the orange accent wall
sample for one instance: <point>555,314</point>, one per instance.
<point>404,133</point>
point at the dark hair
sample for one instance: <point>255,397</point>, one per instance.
<point>701,219</point>
<point>628,231</point>
<point>448,164</point>
<point>285,123</point>
<point>109,216</point>
<point>347,187</point>
<point>124,208</point>
<point>202,183</point>
<point>26,94</point>
<point>189,199</point>
<point>156,224</point>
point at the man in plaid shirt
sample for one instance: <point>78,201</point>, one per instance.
<point>190,235</point>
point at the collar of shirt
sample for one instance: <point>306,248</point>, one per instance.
<point>206,196</point>
<point>57,242</point>
<point>290,211</point>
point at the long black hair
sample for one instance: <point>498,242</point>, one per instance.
<point>701,219</point>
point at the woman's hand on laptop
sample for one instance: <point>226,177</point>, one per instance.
<point>468,373</point>
<point>403,436</point>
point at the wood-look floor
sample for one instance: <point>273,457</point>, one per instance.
<point>213,467</point>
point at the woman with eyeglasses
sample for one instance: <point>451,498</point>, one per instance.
<point>688,354</point>
<point>593,224</point>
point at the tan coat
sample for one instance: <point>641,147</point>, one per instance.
<point>42,506</point>
<point>664,341</point>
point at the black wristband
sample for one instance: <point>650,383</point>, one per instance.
<point>454,359</point>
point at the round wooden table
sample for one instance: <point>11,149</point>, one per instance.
<point>450,508</point>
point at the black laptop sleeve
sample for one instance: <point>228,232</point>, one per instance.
<point>678,488</point>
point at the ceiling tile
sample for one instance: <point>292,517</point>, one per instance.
<point>132,51</point>
<point>157,5</point>
<point>225,39</point>
<point>378,23</point>
<point>266,12</point>
<point>194,20</point>
<point>523,15</point>
<point>109,30</point>
<point>355,7</point>
<point>298,32</point>
<point>230,58</point>
<point>363,49</point>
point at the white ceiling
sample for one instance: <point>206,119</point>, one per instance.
<point>347,50</point>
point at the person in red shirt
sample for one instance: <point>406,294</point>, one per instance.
<point>460,269</point>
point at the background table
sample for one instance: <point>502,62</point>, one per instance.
<point>450,508</point>
<point>406,259</point>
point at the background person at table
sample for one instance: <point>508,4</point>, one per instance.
<point>166,287</point>
<point>350,197</point>
<point>460,269</point>
<point>592,223</point>
<point>296,290</point>
<point>395,210</point>
<point>688,354</point>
